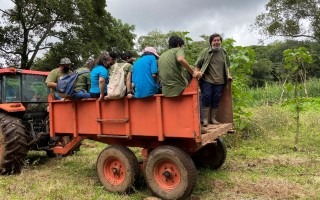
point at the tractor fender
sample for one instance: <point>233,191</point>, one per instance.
<point>12,107</point>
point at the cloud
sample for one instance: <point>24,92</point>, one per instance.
<point>231,18</point>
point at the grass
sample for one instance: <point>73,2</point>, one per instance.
<point>271,92</point>
<point>261,164</point>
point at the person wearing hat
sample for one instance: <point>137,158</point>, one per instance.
<point>58,73</point>
<point>145,73</point>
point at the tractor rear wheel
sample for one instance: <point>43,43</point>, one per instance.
<point>170,173</point>
<point>13,144</point>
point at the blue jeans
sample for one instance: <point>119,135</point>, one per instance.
<point>210,95</point>
<point>56,96</point>
<point>80,95</point>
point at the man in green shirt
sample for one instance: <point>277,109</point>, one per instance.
<point>82,83</point>
<point>214,63</point>
<point>57,74</point>
<point>174,68</point>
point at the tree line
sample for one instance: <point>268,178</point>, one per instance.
<point>79,29</point>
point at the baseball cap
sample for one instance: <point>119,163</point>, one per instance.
<point>65,61</point>
<point>151,50</point>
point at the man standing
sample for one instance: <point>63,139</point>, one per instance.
<point>214,63</point>
<point>57,74</point>
<point>174,68</point>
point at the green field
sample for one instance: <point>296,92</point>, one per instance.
<point>262,163</point>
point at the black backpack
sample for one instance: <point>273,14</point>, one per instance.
<point>65,86</point>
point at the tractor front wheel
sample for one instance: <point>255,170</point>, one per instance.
<point>13,144</point>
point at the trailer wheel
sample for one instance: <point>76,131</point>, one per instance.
<point>211,156</point>
<point>13,144</point>
<point>170,173</point>
<point>117,168</point>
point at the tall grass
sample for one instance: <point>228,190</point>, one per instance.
<point>271,92</point>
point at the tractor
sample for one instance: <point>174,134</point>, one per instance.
<point>23,117</point>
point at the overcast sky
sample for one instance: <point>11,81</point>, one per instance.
<point>231,18</point>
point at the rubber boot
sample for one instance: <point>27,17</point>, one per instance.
<point>206,114</point>
<point>213,116</point>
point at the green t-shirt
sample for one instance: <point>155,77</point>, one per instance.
<point>83,80</point>
<point>215,72</point>
<point>173,75</point>
<point>55,75</point>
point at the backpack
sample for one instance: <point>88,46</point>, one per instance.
<point>65,85</point>
<point>116,88</point>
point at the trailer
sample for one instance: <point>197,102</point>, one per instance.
<point>168,131</point>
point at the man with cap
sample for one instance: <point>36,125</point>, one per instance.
<point>145,73</point>
<point>57,74</point>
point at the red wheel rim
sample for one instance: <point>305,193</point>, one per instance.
<point>114,171</point>
<point>167,175</point>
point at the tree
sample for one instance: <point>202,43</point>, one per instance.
<point>262,72</point>
<point>155,39</point>
<point>159,40</point>
<point>274,53</point>
<point>291,18</point>
<point>74,28</point>
<point>295,60</point>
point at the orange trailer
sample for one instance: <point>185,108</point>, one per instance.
<point>167,129</point>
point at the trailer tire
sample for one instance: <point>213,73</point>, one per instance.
<point>13,144</point>
<point>117,169</point>
<point>170,173</point>
<point>212,155</point>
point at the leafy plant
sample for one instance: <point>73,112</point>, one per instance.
<point>242,60</point>
<point>294,61</point>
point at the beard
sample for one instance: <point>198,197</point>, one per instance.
<point>65,69</point>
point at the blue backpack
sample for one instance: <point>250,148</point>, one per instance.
<point>65,85</point>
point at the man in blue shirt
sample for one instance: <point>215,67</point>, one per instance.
<point>144,74</point>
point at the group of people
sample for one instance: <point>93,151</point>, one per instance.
<point>150,74</point>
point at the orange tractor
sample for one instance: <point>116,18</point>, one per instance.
<point>167,130</point>
<point>23,117</point>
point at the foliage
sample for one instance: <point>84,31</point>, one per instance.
<point>155,39</point>
<point>73,28</point>
<point>159,40</point>
<point>270,93</point>
<point>291,19</point>
<point>274,53</point>
<point>294,61</point>
<point>262,72</point>
<point>242,60</point>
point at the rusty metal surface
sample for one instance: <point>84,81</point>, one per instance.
<point>212,132</point>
